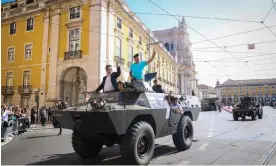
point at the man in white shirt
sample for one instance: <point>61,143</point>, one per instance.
<point>177,108</point>
<point>109,82</point>
<point>5,122</point>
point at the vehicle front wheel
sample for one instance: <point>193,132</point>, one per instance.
<point>253,115</point>
<point>260,114</point>
<point>85,148</point>
<point>235,116</point>
<point>183,138</point>
<point>138,145</point>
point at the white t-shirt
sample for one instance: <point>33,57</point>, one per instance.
<point>5,116</point>
<point>108,84</point>
<point>176,106</point>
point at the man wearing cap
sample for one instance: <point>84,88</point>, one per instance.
<point>109,82</point>
<point>136,69</point>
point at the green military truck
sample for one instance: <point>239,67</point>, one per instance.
<point>209,104</point>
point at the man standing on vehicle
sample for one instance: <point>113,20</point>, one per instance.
<point>109,82</point>
<point>136,69</point>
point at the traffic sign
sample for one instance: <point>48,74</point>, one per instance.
<point>251,46</point>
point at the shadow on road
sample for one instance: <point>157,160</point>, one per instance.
<point>108,156</point>
<point>41,136</point>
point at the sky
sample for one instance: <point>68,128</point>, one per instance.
<point>261,62</point>
<point>258,66</point>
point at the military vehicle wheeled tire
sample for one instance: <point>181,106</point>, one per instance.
<point>235,116</point>
<point>85,148</point>
<point>253,115</point>
<point>183,138</point>
<point>260,113</point>
<point>138,145</point>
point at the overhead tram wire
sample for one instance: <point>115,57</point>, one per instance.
<point>199,18</point>
<point>273,5</point>
<point>235,34</point>
<point>179,21</point>
<point>238,45</point>
<point>206,38</point>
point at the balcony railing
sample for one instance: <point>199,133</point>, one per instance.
<point>120,60</point>
<point>7,89</point>
<point>25,89</point>
<point>73,55</point>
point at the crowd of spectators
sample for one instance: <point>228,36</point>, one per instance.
<point>11,114</point>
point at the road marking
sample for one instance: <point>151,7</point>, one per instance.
<point>112,158</point>
<point>184,163</point>
<point>211,128</point>
<point>203,146</point>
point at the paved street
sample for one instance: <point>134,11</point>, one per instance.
<point>218,140</point>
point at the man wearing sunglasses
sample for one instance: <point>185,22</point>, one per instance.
<point>109,82</point>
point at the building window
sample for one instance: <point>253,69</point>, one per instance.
<point>14,6</point>
<point>9,79</point>
<point>167,46</point>
<point>130,33</point>
<point>130,54</point>
<point>30,24</point>
<point>119,23</point>
<point>29,2</point>
<point>74,40</point>
<point>118,47</point>
<point>172,46</point>
<point>140,40</point>
<point>141,56</point>
<point>26,78</point>
<point>28,51</point>
<point>74,13</point>
<point>8,100</point>
<point>10,54</point>
<point>12,28</point>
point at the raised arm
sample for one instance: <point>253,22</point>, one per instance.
<point>152,57</point>
<point>118,72</point>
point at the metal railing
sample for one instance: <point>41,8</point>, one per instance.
<point>14,126</point>
<point>120,60</point>
<point>25,89</point>
<point>73,55</point>
<point>7,89</point>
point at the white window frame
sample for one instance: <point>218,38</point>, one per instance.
<point>13,28</point>
<point>119,23</point>
<point>130,33</point>
<point>11,53</point>
<point>29,51</point>
<point>118,40</point>
<point>24,81</point>
<point>130,53</point>
<point>75,40</point>
<point>75,12</point>
<point>10,78</point>
<point>30,23</point>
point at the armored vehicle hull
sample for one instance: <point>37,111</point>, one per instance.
<point>134,124</point>
<point>249,108</point>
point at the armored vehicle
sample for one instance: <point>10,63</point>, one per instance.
<point>209,104</point>
<point>133,119</point>
<point>247,107</point>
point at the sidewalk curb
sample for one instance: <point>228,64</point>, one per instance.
<point>9,138</point>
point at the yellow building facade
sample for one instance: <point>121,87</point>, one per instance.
<point>59,49</point>
<point>264,90</point>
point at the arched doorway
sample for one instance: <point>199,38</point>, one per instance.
<point>73,84</point>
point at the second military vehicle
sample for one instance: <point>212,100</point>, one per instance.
<point>133,119</point>
<point>209,104</point>
<point>247,107</point>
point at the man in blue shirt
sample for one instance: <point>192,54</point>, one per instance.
<point>136,69</point>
